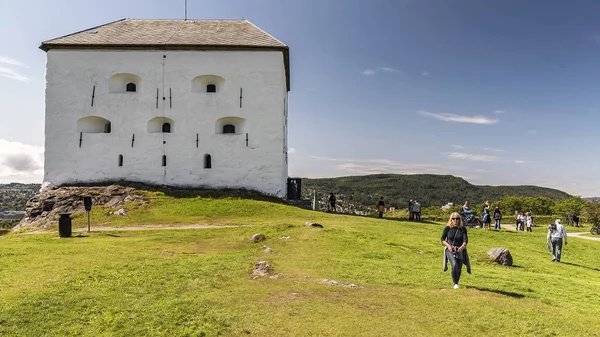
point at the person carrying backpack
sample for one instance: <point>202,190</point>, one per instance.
<point>497,216</point>
<point>556,234</point>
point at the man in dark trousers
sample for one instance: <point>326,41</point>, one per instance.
<point>331,202</point>
<point>411,215</point>
<point>380,207</point>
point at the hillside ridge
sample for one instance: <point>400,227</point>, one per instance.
<point>429,189</point>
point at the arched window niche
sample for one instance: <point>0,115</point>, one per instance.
<point>122,83</point>
<point>93,124</point>
<point>207,161</point>
<point>230,125</point>
<point>208,84</point>
<point>161,125</point>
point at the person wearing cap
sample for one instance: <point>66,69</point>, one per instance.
<point>556,234</point>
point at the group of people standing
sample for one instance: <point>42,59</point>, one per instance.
<point>455,239</point>
<point>414,210</point>
<point>524,221</point>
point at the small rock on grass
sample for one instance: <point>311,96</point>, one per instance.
<point>258,237</point>
<point>312,224</point>
<point>261,268</point>
<point>336,283</point>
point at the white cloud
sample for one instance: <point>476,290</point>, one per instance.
<point>499,111</point>
<point>481,157</point>
<point>458,147</point>
<point>9,73</point>
<point>473,157</point>
<point>21,162</point>
<point>494,149</point>
<point>532,132</point>
<point>446,117</point>
<point>424,73</point>
<point>292,151</point>
<point>369,72</point>
<point>11,61</point>
<point>375,166</point>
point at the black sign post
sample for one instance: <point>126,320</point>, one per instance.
<point>87,202</point>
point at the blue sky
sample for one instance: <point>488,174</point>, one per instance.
<point>497,92</point>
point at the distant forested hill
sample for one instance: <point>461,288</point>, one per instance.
<point>429,189</point>
<point>14,196</point>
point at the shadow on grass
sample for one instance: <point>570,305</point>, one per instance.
<point>578,265</point>
<point>426,222</point>
<point>501,292</point>
<point>78,236</point>
<point>4,231</point>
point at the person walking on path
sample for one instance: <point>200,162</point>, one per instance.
<point>454,238</point>
<point>556,234</point>
<point>497,217</point>
<point>380,207</point>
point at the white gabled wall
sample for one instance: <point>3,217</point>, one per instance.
<point>71,77</point>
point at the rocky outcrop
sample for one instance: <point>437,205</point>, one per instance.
<point>42,210</point>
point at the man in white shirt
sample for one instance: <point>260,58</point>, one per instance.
<point>416,208</point>
<point>556,234</point>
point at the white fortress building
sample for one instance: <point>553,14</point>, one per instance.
<point>168,102</point>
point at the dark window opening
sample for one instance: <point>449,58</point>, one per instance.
<point>207,161</point>
<point>164,160</point>
<point>120,160</point>
<point>131,87</point>
<point>211,88</point>
<point>166,128</point>
<point>229,128</point>
<point>107,128</point>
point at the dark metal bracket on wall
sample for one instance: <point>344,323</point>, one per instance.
<point>170,99</point>
<point>80,138</point>
<point>132,139</point>
<point>157,98</point>
<point>197,140</point>
<point>240,97</point>
<point>93,94</point>
<point>246,139</point>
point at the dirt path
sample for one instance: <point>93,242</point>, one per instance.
<point>569,235</point>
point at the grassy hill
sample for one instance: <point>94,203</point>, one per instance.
<point>197,282</point>
<point>429,189</point>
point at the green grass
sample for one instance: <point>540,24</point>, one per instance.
<point>198,282</point>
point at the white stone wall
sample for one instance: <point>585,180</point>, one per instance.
<point>71,76</point>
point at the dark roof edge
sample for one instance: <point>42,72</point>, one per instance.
<point>284,49</point>
<point>81,31</point>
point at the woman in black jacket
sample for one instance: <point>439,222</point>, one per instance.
<point>454,237</point>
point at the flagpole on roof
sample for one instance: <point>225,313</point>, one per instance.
<point>185,17</point>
